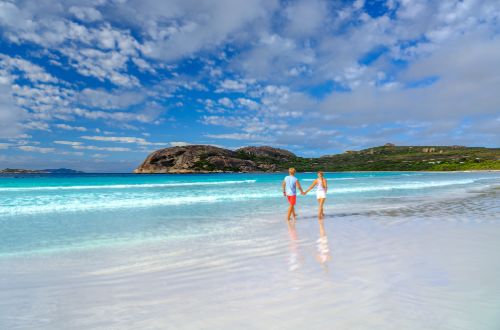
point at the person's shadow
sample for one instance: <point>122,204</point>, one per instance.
<point>323,255</point>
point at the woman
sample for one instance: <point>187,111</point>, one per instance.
<point>321,189</point>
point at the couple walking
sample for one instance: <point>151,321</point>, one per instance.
<point>290,185</point>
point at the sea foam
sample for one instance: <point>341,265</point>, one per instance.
<point>127,186</point>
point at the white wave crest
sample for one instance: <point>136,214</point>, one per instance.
<point>76,205</point>
<point>402,186</point>
<point>131,201</point>
<point>331,179</point>
<point>126,186</point>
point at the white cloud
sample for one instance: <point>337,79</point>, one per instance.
<point>71,153</point>
<point>30,71</point>
<point>147,116</point>
<point>305,17</point>
<point>71,128</point>
<point>184,28</point>
<point>101,52</point>
<point>124,139</point>
<point>80,146</point>
<point>226,102</point>
<point>88,14</point>
<point>179,144</point>
<point>46,102</point>
<point>272,57</point>
<point>99,156</point>
<point>103,65</point>
<point>229,85</point>
<point>22,136</point>
<point>36,125</point>
<point>170,30</point>
<point>118,99</point>
<point>248,103</point>
<point>36,149</point>
<point>224,121</point>
<point>235,136</point>
<point>465,87</point>
<point>301,64</point>
<point>69,143</point>
<point>112,149</point>
<point>10,114</point>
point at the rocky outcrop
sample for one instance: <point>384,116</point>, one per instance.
<point>207,159</point>
<point>267,152</point>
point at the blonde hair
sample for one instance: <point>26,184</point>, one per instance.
<point>291,170</point>
<point>320,173</point>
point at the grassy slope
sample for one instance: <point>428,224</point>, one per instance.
<point>404,159</point>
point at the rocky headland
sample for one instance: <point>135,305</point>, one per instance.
<point>208,159</point>
<point>211,159</point>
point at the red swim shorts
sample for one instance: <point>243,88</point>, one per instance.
<point>292,199</point>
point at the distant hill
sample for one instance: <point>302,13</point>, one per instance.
<point>19,171</point>
<point>208,159</point>
<point>46,171</point>
<point>61,171</point>
<point>413,158</point>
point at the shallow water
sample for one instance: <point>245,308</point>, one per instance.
<point>396,251</point>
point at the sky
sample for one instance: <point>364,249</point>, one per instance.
<point>96,85</point>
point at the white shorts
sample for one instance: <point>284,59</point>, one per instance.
<point>320,194</point>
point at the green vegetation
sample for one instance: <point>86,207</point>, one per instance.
<point>482,165</point>
<point>204,165</point>
<point>208,159</point>
<point>396,158</point>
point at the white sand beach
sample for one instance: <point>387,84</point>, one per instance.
<point>425,265</point>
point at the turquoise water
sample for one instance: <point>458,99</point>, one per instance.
<point>47,213</point>
<point>397,250</point>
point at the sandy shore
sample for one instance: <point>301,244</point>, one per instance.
<point>412,255</point>
<point>384,271</point>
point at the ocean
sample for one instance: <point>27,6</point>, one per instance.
<point>396,250</point>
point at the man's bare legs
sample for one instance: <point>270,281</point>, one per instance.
<point>291,211</point>
<point>321,202</point>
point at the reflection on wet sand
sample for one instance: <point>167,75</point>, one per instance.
<point>294,257</point>
<point>323,255</point>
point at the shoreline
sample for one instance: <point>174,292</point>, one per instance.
<point>315,269</point>
<point>257,172</point>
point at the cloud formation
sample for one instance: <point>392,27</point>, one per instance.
<point>316,76</point>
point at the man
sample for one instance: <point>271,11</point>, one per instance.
<point>290,184</point>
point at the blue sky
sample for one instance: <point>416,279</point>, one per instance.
<point>96,85</point>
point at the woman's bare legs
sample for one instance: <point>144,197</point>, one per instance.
<point>321,202</point>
